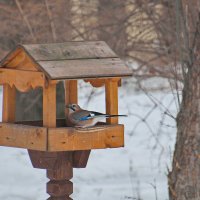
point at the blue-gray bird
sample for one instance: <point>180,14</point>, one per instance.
<point>79,117</point>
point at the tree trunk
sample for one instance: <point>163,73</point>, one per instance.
<point>184,179</point>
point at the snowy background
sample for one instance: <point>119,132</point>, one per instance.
<point>136,172</point>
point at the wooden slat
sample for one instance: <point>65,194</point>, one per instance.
<point>20,60</point>
<point>111,90</point>
<point>99,82</point>
<point>49,105</point>
<point>71,93</point>
<point>59,123</point>
<point>10,56</point>
<point>22,80</point>
<point>69,50</point>
<point>86,68</point>
<point>96,82</point>
<point>22,136</point>
<point>9,103</point>
<point>80,158</point>
<point>71,139</point>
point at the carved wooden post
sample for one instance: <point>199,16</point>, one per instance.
<point>60,187</point>
<point>59,171</point>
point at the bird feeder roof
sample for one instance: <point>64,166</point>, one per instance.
<point>69,60</point>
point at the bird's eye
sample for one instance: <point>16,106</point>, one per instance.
<point>74,106</point>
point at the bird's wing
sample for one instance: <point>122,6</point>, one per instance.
<point>83,115</point>
<point>80,115</point>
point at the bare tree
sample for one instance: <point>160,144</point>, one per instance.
<point>34,22</point>
<point>184,182</point>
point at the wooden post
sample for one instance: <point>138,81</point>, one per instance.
<point>111,89</point>
<point>58,164</point>
<point>49,105</point>
<point>9,95</point>
<point>71,95</point>
<point>60,187</point>
<point>79,158</point>
<point>59,171</point>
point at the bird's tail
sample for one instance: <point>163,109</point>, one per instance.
<point>108,116</point>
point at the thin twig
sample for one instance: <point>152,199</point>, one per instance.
<point>25,20</point>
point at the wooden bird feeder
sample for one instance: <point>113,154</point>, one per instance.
<point>50,143</point>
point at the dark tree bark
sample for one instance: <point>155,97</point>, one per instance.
<point>184,179</point>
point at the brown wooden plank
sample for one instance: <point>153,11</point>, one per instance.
<point>9,103</point>
<point>86,68</point>
<point>96,82</point>
<point>49,105</point>
<point>99,82</point>
<point>69,50</point>
<point>22,136</point>
<point>22,80</point>
<point>59,171</point>
<point>19,59</point>
<point>99,137</point>
<point>71,95</point>
<point>111,90</point>
<point>80,158</point>
<point>59,123</point>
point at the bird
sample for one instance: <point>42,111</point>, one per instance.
<point>81,118</point>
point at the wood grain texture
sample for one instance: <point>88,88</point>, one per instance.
<point>60,185</point>
<point>79,158</point>
<point>22,80</point>
<point>59,171</point>
<point>85,68</point>
<point>9,103</point>
<point>49,105</point>
<point>19,59</point>
<point>69,50</point>
<point>111,90</point>
<point>99,137</point>
<point>71,95</point>
<point>96,82</point>
<point>70,60</point>
<point>22,136</point>
<point>99,82</point>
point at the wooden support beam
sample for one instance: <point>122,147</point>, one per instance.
<point>22,136</point>
<point>79,158</point>
<point>71,94</point>
<point>49,105</point>
<point>59,171</point>
<point>21,79</point>
<point>60,186</point>
<point>111,89</point>
<point>9,102</point>
<point>75,139</point>
<point>58,164</point>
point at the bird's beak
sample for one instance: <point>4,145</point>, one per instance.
<point>68,106</point>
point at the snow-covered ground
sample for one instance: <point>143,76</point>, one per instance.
<point>137,171</point>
